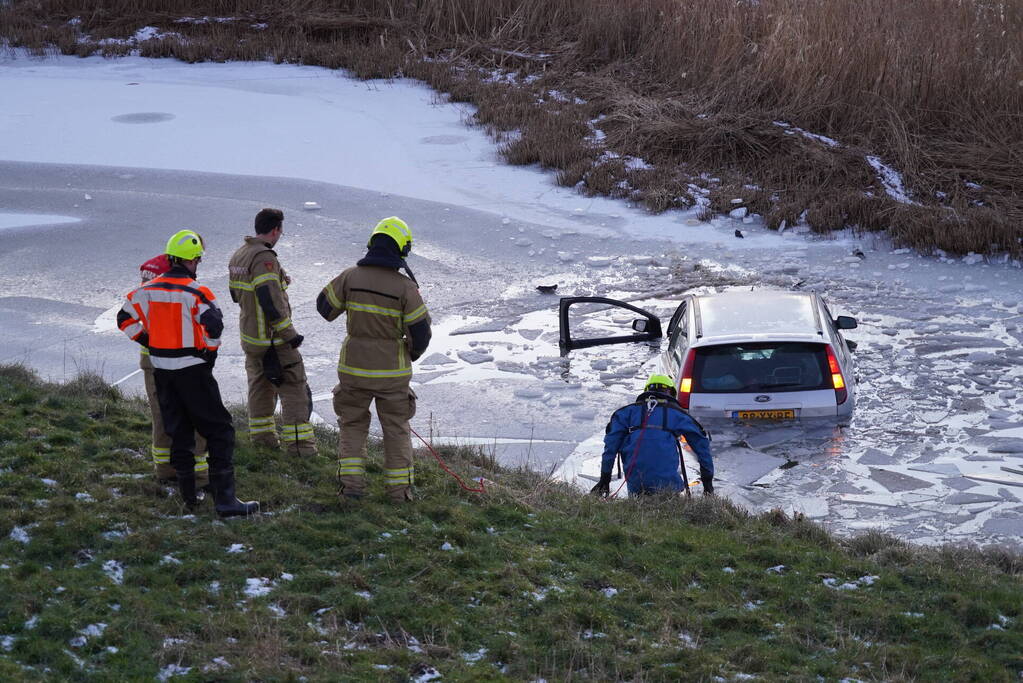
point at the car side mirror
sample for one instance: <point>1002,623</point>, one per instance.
<point>844,322</point>
<point>639,324</point>
<point>851,344</point>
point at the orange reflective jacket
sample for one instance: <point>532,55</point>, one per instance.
<point>175,318</point>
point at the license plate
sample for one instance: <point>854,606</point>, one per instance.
<point>764,414</point>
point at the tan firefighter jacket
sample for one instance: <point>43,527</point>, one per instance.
<point>258,284</point>
<point>382,305</point>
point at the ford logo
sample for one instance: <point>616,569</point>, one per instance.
<point>762,398</point>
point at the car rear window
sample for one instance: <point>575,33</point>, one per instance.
<point>762,366</point>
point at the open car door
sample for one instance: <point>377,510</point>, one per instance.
<point>646,328</point>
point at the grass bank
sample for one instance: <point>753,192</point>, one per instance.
<point>105,576</point>
<point>797,110</point>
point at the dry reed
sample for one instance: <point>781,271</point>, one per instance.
<point>932,87</point>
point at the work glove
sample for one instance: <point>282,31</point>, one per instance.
<point>143,339</point>
<point>296,341</point>
<point>603,487</point>
<point>210,356</point>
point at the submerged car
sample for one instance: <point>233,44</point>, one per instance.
<point>745,355</point>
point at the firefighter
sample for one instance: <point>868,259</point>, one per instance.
<point>388,328</point>
<point>154,267</point>
<point>273,362</point>
<point>179,322</point>
<point>645,434</point>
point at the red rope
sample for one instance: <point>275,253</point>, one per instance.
<point>444,466</point>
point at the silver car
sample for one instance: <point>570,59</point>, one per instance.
<point>746,355</point>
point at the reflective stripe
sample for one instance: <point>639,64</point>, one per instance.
<point>261,342</point>
<point>238,284</point>
<point>161,456</point>
<point>144,351</point>
<point>261,425</point>
<point>266,277</point>
<point>351,466</point>
<point>282,324</point>
<point>332,298</point>
<point>415,315</point>
<point>164,363</point>
<point>370,308</point>
<point>297,432</point>
<point>362,372</point>
<point>396,476</point>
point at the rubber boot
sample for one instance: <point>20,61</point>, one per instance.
<point>224,500</point>
<point>186,484</point>
<point>708,483</point>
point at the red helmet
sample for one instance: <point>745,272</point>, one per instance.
<point>155,267</point>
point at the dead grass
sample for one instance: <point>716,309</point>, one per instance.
<point>698,90</point>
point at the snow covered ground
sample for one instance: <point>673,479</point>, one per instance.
<point>101,159</point>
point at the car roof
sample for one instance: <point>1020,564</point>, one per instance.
<point>758,314</point>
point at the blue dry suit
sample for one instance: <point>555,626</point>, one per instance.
<point>654,466</point>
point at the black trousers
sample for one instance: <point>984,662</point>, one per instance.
<point>190,402</point>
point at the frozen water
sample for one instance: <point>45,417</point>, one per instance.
<point>897,482</point>
<point>906,375</point>
<point>23,220</point>
<point>475,357</point>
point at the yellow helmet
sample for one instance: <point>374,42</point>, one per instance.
<point>398,230</point>
<point>185,245</point>
<point>659,382</point>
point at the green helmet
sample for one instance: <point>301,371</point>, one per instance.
<point>185,245</point>
<point>398,230</point>
<point>659,382</point>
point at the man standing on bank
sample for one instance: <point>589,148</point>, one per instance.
<point>388,328</point>
<point>161,448</point>
<point>179,321</point>
<point>273,362</point>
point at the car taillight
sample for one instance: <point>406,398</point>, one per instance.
<point>685,385</point>
<point>837,381</point>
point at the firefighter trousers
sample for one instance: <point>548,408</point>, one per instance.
<point>190,403</point>
<point>394,410</point>
<point>161,447</point>
<point>296,402</point>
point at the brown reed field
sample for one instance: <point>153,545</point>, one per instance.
<point>933,88</point>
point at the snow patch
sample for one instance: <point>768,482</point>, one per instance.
<point>20,535</point>
<point>891,179</point>
<point>426,675</point>
<point>172,670</point>
<point>688,641</point>
<point>258,587</point>
<point>114,571</point>
<point>473,657</point>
